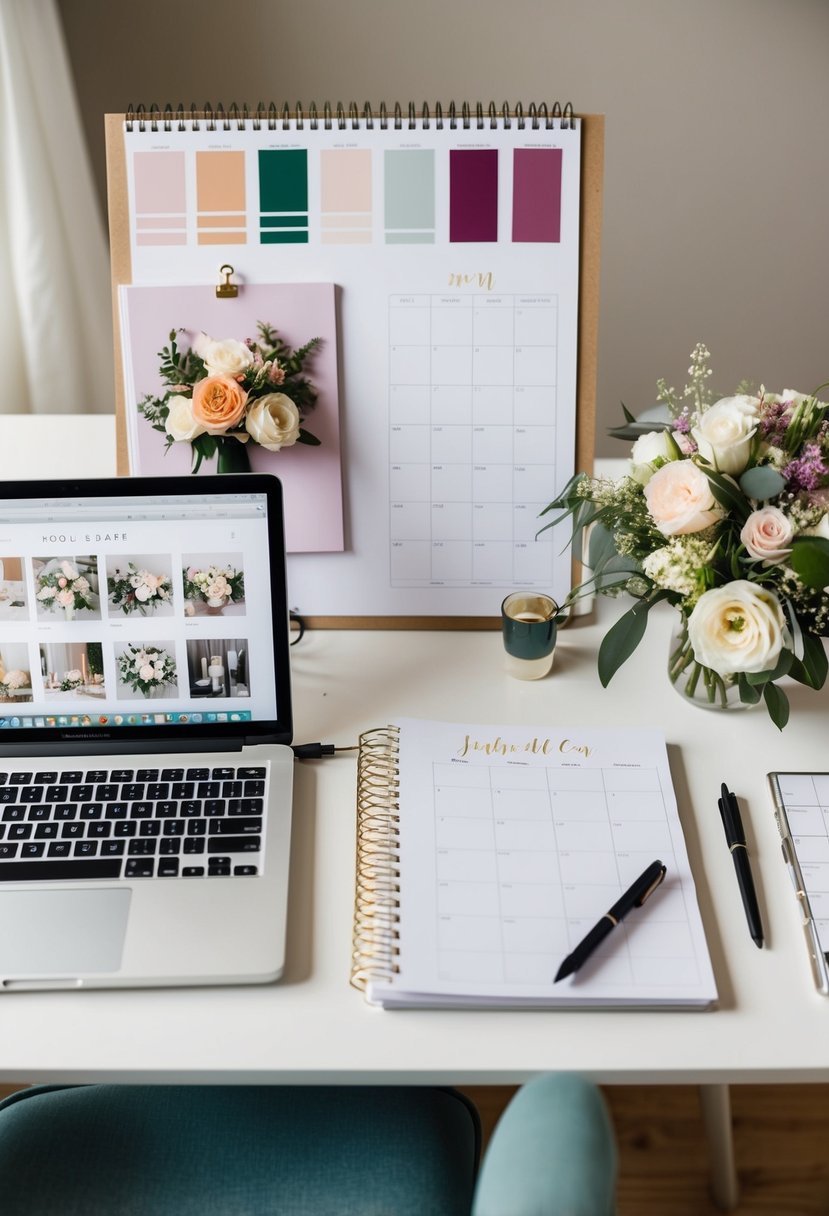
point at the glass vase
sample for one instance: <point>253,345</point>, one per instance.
<point>232,456</point>
<point>697,684</point>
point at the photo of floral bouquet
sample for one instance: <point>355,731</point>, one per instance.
<point>215,586</point>
<point>223,394</point>
<point>725,515</point>
<point>139,590</point>
<point>60,586</point>
<point>145,669</point>
<point>16,679</point>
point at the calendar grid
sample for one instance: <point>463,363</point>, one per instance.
<point>472,438</point>
<point>528,859</point>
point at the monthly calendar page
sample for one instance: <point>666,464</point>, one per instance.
<point>454,251</point>
<point>514,842</point>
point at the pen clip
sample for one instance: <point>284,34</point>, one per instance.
<point>656,882</point>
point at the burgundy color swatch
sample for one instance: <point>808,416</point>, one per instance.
<point>536,195</point>
<point>473,195</point>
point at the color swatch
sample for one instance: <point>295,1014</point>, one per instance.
<point>345,184</point>
<point>160,198</point>
<point>536,195</point>
<point>409,196</point>
<point>473,195</point>
<point>220,198</point>
<point>283,196</point>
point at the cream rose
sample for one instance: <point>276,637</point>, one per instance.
<point>680,500</point>
<point>218,403</point>
<point>648,448</point>
<point>180,421</point>
<point>767,534</point>
<point>147,672</point>
<point>226,357</point>
<point>738,627</point>
<point>273,422</point>
<point>724,432</point>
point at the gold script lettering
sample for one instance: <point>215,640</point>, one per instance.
<point>500,747</point>
<point>484,280</point>
<point>567,746</point>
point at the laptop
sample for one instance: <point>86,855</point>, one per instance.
<point>145,729</point>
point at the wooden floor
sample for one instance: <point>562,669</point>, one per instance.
<point>781,1138</point>
<point>781,1135</point>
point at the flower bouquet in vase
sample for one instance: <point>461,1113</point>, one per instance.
<point>146,669</point>
<point>725,515</point>
<point>15,684</point>
<point>139,590</point>
<point>222,395</point>
<point>64,589</point>
<point>214,586</point>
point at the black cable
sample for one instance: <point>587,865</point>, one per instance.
<point>318,751</point>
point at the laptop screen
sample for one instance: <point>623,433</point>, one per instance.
<point>143,608</point>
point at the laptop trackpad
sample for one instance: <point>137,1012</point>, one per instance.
<point>64,933</point>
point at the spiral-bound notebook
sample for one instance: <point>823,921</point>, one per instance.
<point>486,853</point>
<point>462,246</point>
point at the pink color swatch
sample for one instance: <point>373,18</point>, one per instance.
<point>346,195</point>
<point>536,195</point>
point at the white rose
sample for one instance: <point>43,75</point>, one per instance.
<point>74,675</point>
<point>273,422</point>
<point>649,447</point>
<point>680,500</point>
<point>767,534</point>
<point>147,672</point>
<point>46,593</point>
<point>738,627</point>
<point>142,593</point>
<point>226,357</point>
<point>724,432</point>
<point>181,424</point>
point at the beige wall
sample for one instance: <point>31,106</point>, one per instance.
<point>717,162</point>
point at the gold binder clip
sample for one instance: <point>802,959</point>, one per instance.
<point>226,290</point>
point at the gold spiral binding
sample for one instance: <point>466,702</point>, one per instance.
<point>376,938</point>
<point>341,116</point>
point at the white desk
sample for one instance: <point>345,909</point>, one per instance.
<point>312,1028</point>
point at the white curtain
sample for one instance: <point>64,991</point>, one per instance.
<point>56,324</point>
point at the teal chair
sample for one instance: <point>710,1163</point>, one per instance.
<point>142,1150</point>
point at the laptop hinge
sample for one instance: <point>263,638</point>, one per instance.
<point>118,747</point>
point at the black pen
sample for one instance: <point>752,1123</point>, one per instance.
<point>634,897</point>
<point>736,838</point>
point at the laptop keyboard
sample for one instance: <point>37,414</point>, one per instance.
<point>131,823</point>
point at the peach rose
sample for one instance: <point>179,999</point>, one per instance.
<point>767,534</point>
<point>680,500</point>
<point>218,403</point>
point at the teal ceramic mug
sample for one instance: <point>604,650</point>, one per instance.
<point>528,627</point>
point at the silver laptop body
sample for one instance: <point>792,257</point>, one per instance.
<point>145,728</point>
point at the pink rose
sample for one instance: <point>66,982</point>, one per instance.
<point>767,534</point>
<point>61,582</point>
<point>680,500</point>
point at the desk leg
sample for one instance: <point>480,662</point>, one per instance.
<point>716,1116</point>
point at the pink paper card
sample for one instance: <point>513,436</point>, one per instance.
<point>311,476</point>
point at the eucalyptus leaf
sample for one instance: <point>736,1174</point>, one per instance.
<point>762,482</point>
<point>623,637</point>
<point>813,668</point>
<point>777,704</point>
<point>810,560</point>
<point>728,494</point>
<point>749,693</point>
